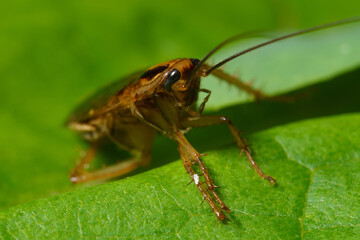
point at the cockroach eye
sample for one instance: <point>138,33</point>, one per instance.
<point>172,78</point>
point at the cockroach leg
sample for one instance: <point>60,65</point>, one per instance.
<point>191,112</point>
<point>192,180</point>
<point>202,105</point>
<point>231,79</point>
<point>240,141</point>
<point>86,159</point>
<point>209,183</point>
<point>258,95</point>
<point>190,157</point>
<point>115,170</point>
<point>136,113</point>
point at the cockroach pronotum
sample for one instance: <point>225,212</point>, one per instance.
<point>130,112</point>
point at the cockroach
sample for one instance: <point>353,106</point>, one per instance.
<point>162,99</point>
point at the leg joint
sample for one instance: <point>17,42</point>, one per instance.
<point>225,119</point>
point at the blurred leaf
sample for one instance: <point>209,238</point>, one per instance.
<point>54,53</point>
<point>289,64</point>
<point>316,163</point>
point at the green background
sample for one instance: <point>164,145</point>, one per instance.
<point>54,53</point>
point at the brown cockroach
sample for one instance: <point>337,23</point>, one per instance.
<point>162,99</point>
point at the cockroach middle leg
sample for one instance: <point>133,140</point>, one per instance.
<point>240,141</point>
<point>190,157</point>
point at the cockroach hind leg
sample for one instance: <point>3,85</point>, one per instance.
<point>107,172</point>
<point>279,98</point>
<point>256,93</point>
<point>86,158</point>
<point>115,170</point>
<point>237,82</point>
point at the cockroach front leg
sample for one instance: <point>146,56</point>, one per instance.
<point>240,141</point>
<point>206,99</point>
<point>191,157</point>
<point>202,105</point>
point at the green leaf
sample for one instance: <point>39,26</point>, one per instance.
<point>54,53</point>
<point>316,163</point>
<point>332,51</point>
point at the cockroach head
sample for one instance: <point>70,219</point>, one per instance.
<point>195,61</point>
<point>174,75</point>
<point>180,70</point>
<point>176,81</point>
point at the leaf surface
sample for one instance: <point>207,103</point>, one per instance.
<point>316,163</point>
<point>54,54</point>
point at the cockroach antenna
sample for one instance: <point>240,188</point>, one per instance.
<point>251,34</point>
